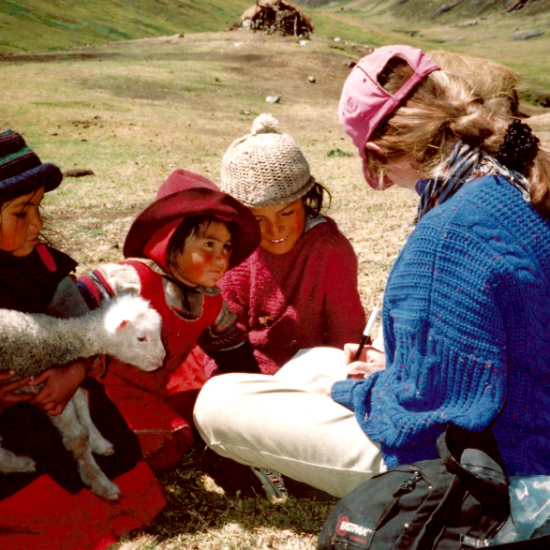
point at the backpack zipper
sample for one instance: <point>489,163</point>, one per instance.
<point>409,484</point>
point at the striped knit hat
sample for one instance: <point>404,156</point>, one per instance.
<point>21,171</point>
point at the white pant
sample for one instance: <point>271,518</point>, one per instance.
<point>269,422</point>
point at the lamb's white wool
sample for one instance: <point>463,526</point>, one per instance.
<point>265,124</point>
<point>126,327</point>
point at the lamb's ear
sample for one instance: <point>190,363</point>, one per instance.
<point>123,324</point>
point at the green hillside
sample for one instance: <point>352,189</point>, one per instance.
<point>486,28</point>
<point>518,38</point>
<point>33,25</point>
<point>442,10</point>
<point>455,10</point>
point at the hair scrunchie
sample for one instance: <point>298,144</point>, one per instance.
<point>519,148</point>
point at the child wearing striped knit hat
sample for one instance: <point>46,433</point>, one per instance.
<point>47,507</point>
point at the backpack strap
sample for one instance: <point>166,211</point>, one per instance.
<point>475,457</point>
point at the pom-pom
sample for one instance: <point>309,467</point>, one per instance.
<point>265,124</point>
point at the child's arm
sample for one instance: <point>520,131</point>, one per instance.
<point>228,344</point>
<point>235,285</point>
<point>344,315</point>
<point>107,281</point>
<point>67,301</point>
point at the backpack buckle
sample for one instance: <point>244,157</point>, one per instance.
<point>409,484</point>
<point>472,542</point>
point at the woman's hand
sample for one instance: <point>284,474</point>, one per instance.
<point>371,360</point>
<point>7,397</point>
<point>61,384</point>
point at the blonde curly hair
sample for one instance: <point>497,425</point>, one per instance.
<point>442,109</point>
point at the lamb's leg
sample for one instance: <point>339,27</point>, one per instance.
<point>75,439</point>
<point>98,443</point>
<point>10,462</point>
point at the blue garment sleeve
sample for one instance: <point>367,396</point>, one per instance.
<point>342,392</point>
<point>446,341</point>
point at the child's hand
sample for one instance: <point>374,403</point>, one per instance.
<point>7,397</point>
<point>60,385</point>
<point>371,360</point>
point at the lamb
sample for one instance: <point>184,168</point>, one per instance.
<point>126,327</point>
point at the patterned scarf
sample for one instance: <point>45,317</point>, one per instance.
<point>464,164</point>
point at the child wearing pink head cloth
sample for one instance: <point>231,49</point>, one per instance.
<point>177,249</point>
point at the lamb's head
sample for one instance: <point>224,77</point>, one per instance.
<point>134,332</point>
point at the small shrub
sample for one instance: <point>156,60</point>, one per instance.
<point>338,153</point>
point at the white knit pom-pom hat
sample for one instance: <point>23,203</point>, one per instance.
<point>265,167</point>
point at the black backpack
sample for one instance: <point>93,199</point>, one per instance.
<point>458,501</point>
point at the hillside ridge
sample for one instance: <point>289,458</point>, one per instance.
<point>433,9</point>
<point>34,25</point>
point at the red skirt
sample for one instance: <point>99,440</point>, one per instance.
<point>43,516</point>
<point>159,407</point>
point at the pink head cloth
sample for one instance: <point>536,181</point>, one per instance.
<point>184,194</point>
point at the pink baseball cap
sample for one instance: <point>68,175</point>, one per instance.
<point>364,103</point>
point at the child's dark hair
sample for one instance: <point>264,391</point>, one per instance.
<point>192,226</point>
<point>314,198</point>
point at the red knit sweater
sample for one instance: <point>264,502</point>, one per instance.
<point>307,297</point>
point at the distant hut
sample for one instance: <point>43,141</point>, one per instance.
<point>277,16</point>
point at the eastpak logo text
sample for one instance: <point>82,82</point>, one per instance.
<point>345,526</point>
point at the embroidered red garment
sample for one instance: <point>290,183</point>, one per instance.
<point>148,400</point>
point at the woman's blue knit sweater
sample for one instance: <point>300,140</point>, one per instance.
<point>467,331</point>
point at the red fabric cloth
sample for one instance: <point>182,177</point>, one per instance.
<point>305,298</point>
<point>43,516</point>
<point>185,194</point>
<point>147,399</point>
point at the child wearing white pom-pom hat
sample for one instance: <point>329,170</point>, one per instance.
<point>299,288</point>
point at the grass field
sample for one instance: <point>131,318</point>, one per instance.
<point>133,112</point>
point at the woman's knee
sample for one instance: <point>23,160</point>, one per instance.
<point>216,398</point>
